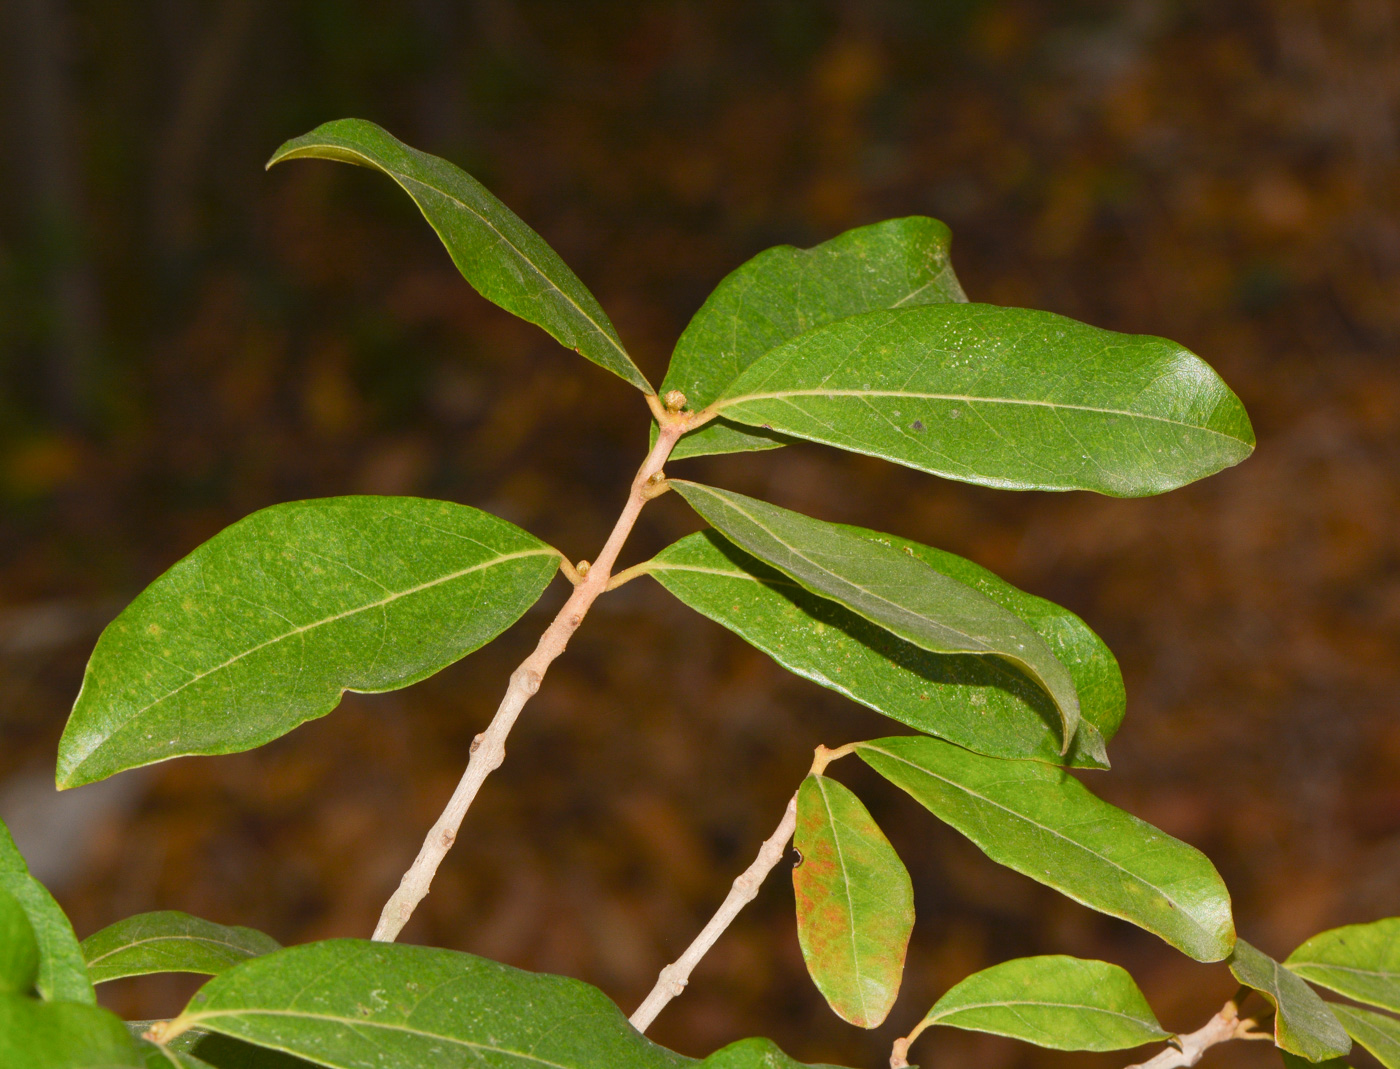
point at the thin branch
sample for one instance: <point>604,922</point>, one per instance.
<point>489,748</point>
<point>675,976</point>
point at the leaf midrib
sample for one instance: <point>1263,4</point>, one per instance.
<point>403,180</point>
<point>1178,907</point>
<point>783,395</point>
<point>1379,973</point>
<point>169,939</point>
<point>966,1007</point>
<point>196,677</point>
<point>361,1022</point>
<point>850,903</point>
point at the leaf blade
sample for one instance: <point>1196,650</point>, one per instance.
<point>1303,1023</point>
<point>1050,404</point>
<point>855,903</point>
<point>62,973</point>
<point>19,948</point>
<point>1043,823</point>
<point>62,1035</point>
<point>886,586</point>
<point>1377,1032</point>
<point>783,292</point>
<point>1052,1001</point>
<point>170,941</point>
<point>503,258</point>
<point>974,701</point>
<point>1361,961</point>
<point>272,619</point>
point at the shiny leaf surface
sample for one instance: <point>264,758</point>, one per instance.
<point>170,941</point>
<point>855,903</point>
<point>886,585</point>
<point>784,292</point>
<point>62,1035</point>
<point>1361,961</point>
<point>62,974</point>
<point>1005,397</point>
<point>1054,1001</point>
<point>978,702</point>
<point>1042,822</point>
<point>1303,1024</point>
<point>265,625</point>
<point>503,259</point>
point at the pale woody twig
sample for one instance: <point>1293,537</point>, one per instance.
<point>489,748</point>
<point>675,976</point>
<point>1188,1049</point>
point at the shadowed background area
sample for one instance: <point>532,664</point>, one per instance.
<point>185,339</point>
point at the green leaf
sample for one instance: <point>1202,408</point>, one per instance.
<point>1054,1001</point>
<point>784,292</point>
<point>886,585</point>
<point>1361,961</point>
<point>62,1035</point>
<point>855,903</point>
<point>197,1049</point>
<point>1303,1024</point>
<point>170,941</point>
<point>1377,1032</point>
<point>19,950</point>
<point>1004,397</point>
<point>754,1054</point>
<point>1042,822</point>
<point>503,259</point>
<point>265,625</point>
<point>62,974</point>
<point>978,702</point>
<point>353,1004</point>
<point>1292,1061</point>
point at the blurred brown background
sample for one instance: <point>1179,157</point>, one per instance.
<point>184,339</point>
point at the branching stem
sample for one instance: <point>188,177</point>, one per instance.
<point>489,748</point>
<point>675,976</point>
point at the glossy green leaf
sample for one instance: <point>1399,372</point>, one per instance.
<point>1361,961</point>
<point>754,1054</point>
<point>1004,397</point>
<point>1303,1024</point>
<point>886,585</point>
<point>1042,822</point>
<point>197,1049</point>
<point>503,259</point>
<point>265,625</point>
<point>62,974</point>
<point>1292,1061</point>
<point>784,292</point>
<point>1054,1001</point>
<point>19,949</point>
<point>170,941</point>
<point>855,903</point>
<point>62,1035</point>
<point>978,702</point>
<point>1377,1032</point>
<point>354,1004</point>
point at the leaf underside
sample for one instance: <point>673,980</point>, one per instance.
<point>1042,822</point>
<point>784,292</point>
<point>855,903</point>
<point>1055,1001</point>
<point>1360,961</point>
<point>1005,397</point>
<point>982,703</point>
<point>1303,1024</point>
<point>503,259</point>
<point>265,625</point>
<point>170,941</point>
<point>886,585</point>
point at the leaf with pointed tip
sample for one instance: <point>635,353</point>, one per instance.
<point>170,941</point>
<point>503,259</point>
<point>978,702</point>
<point>19,949</point>
<point>1360,961</point>
<point>755,1054</point>
<point>1377,1032</point>
<point>1054,1001</point>
<point>1006,397</point>
<point>855,903</point>
<point>1303,1024</point>
<point>62,1035</point>
<point>62,974</point>
<point>784,292</point>
<point>1044,823</point>
<point>268,623</point>
<point>887,586</point>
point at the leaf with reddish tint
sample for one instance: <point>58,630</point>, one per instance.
<point>855,904</point>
